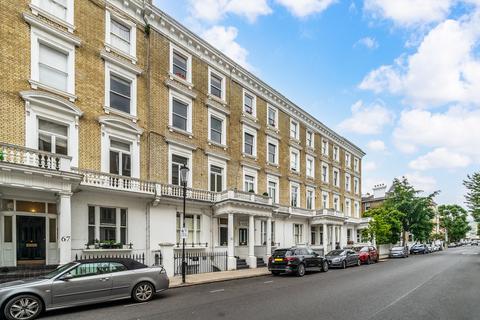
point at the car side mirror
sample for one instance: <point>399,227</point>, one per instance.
<point>66,277</point>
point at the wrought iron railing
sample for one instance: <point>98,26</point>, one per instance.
<point>200,262</point>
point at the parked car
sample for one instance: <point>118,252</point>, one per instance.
<point>367,254</point>
<point>398,252</point>
<point>296,260</point>
<point>343,258</point>
<point>80,283</point>
<point>419,248</point>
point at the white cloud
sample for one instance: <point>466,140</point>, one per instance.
<point>223,38</point>
<point>422,182</point>
<point>376,145</point>
<point>367,119</point>
<point>440,158</point>
<point>445,69</point>
<point>215,10</point>
<point>457,130</point>
<point>409,12</point>
<point>304,8</point>
<point>367,42</point>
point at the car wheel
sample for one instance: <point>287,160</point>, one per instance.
<point>300,270</point>
<point>23,307</point>
<point>143,292</point>
<point>344,265</point>
<point>275,273</point>
<point>325,266</point>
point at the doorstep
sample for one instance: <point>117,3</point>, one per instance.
<point>201,278</point>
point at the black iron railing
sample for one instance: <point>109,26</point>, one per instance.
<point>139,257</point>
<point>193,244</point>
<point>201,262</point>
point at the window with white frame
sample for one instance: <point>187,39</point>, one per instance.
<point>336,202</point>
<point>356,208</point>
<point>294,160</point>
<point>193,225</point>
<point>325,200</point>
<point>356,184</point>
<point>347,182</point>
<point>324,173</point>
<point>310,166</point>
<point>249,183</point>
<point>216,178</point>
<point>272,150</point>
<point>336,177</point>
<point>61,9</point>
<point>177,162</point>
<point>298,233</point>
<point>53,67</point>
<point>294,130</point>
<point>348,207</point>
<point>249,103</point>
<point>348,161</point>
<point>216,85</point>
<point>356,164</point>
<point>107,224</point>
<point>180,63</point>
<point>217,127</point>
<point>120,158</point>
<point>310,198</point>
<point>336,153</point>
<point>310,139</point>
<point>272,187</point>
<point>294,194</point>
<point>120,34</point>
<point>249,141</point>
<point>180,112</point>
<point>120,90</point>
<point>272,117</point>
<point>52,137</point>
<point>324,147</point>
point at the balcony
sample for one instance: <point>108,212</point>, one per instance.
<point>242,196</point>
<point>14,154</point>
<point>296,211</point>
<point>330,212</point>
<point>115,182</point>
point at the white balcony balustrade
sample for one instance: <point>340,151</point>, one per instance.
<point>35,158</point>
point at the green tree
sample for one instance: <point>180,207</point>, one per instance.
<point>472,183</point>
<point>385,226</point>
<point>417,211</point>
<point>454,219</point>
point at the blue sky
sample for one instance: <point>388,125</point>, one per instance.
<point>400,78</point>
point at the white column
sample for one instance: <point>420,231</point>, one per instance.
<point>232,261</point>
<point>269,239</point>
<point>354,235</point>
<point>333,237</point>
<point>252,260</point>
<point>325,239</point>
<point>65,228</point>
<point>343,236</point>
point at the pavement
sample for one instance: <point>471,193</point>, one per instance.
<point>438,286</point>
<point>211,277</point>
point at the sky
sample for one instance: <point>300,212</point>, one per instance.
<point>399,78</point>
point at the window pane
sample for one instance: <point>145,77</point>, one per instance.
<point>56,7</point>
<point>29,206</point>
<point>91,235</point>
<point>45,142</point>
<point>91,215</point>
<point>53,67</point>
<point>120,93</point>
<point>271,117</point>
<point>8,234</point>
<point>52,127</point>
<point>108,215</point>
<point>126,165</point>
<point>123,236</point>
<point>179,65</point>
<point>180,115</point>
<point>223,236</point>
<point>114,162</point>
<point>248,100</point>
<point>216,86</point>
<point>52,208</point>
<point>123,217</point>
<point>120,145</point>
<point>52,230</point>
<point>107,234</point>
<point>61,146</point>
<point>216,129</point>
<point>120,31</point>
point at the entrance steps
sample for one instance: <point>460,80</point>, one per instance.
<point>261,263</point>
<point>241,264</point>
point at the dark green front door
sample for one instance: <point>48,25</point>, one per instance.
<point>30,239</point>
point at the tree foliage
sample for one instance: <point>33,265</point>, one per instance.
<point>472,183</point>
<point>417,211</point>
<point>454,219</point>
<point>386,225</point>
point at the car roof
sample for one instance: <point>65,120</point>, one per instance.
<point>130,264</point>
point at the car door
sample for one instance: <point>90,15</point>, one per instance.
<point>351,257</point>
<point>373,253</point>
<point>122,280</point>
<point>311,259</point>
<point>86,283</point>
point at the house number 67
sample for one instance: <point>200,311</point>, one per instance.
<point>65,238</point>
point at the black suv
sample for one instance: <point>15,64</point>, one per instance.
<point>296,261</point>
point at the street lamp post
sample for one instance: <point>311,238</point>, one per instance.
<point>183,180</point>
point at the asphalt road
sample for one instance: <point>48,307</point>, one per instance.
<point>442,285</point>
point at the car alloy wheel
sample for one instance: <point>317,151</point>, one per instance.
<point>301,270</point>
<point>143,292</point>
<point>325,266</point>
<point>24,307</point>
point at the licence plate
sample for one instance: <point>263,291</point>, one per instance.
<point>278,260</point>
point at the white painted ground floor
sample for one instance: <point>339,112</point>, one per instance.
<point>55,218</point>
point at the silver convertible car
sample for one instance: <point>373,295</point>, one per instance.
<point>79,283</point>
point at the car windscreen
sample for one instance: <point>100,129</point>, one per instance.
<point>336,253</point>
<point>397,249</point>
<point>59,270</point>
<point>282,253</point>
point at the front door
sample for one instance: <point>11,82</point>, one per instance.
<point>30,240</point>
